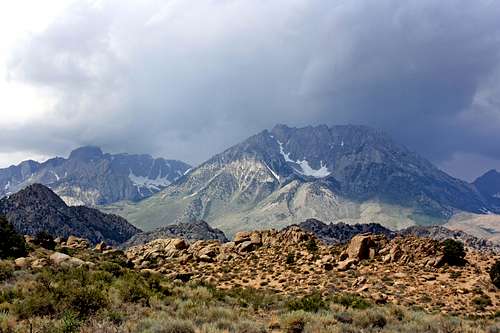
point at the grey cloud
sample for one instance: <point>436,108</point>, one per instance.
<point>186,79</point>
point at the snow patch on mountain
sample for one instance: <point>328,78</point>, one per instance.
<point>307,170</point>
<point>273,173</point>
<point>141,181</point>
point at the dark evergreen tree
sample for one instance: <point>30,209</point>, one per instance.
<point>12,245</point>
<point>45,240</point>
<point>454,252</point>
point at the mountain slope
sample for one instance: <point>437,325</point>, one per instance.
<point>89,177</point>
<point>36,208</point>
<point>489,183</point>
<point>287,175</point>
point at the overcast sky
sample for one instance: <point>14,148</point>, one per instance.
<point>186,79</point>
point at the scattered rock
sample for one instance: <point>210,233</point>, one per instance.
<point>246,246</point>
<point>39,263</point>
<point>61,259</point>
<point>57,258</point>
<point>399,271</point>
<point>241,237</point>
<point>23,262</point>
<point>346,264</point>
<point>77,243</point>
<point>101,247</point>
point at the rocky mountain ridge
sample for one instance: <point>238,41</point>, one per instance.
<point>37,208</point>
<point>287,175</point>
<point>198,230</point>
<point>90,177</point>
<point>341,233</point>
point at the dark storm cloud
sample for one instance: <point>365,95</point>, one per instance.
<point>186,79</point>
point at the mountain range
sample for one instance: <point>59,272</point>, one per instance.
<point>37,208</point>
<point>286,175</point>
<point>90,177</point>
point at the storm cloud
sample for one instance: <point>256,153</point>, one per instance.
<point>186,79</point>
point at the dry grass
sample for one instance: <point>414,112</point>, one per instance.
<point>112,298</point>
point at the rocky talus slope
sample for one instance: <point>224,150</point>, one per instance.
<point>410,271</point>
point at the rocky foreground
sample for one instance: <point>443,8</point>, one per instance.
<point>409,271</point>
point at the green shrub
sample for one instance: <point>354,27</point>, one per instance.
<point>12,245</point>
<point>454,252</point>
<point>370,319</point>
<point>45,240</point>
<point>310,303</point>
<point>167,325</point>
<point>294,322</point>
<point>495,273</point>
<point>6,270</point>
<point>86,300</point>
<point>38,302</point>
<point>111,267</point>
<point>118,257</point>
<point>115,317</point>
<point>290,258</point>
<point>56,291</point>
<point>312,246</point>
<point>70,322</point>
<point>482,301</point>
<point>132,288</point>
<point>248,297</point>
<point>351,301</point>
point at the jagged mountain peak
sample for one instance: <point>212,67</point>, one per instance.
<point>86,153</point>
<point>90,177</point>
<point>37,192</point>
<point>489,185</point>
<point>285,175</point>
<point>492,172</point>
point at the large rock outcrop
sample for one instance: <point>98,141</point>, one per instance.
<point>404,270</point>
